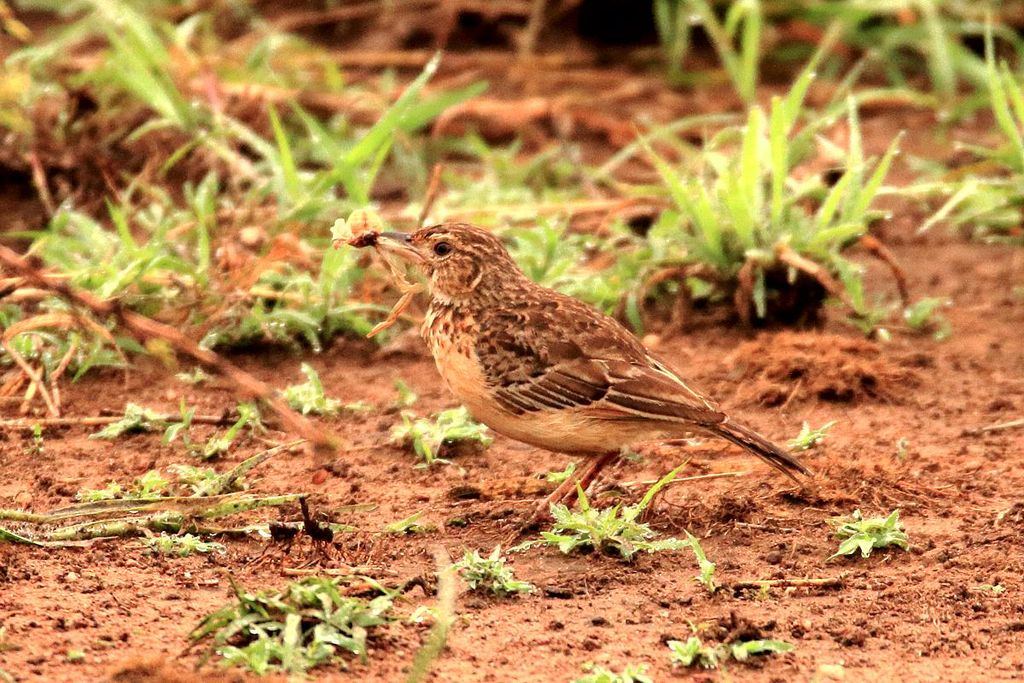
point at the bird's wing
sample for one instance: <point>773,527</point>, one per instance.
<point>533,367</point>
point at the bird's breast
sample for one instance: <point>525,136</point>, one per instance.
<point>451,336</point>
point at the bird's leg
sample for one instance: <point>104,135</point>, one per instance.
<point>567,489</point>
<point>585,478</point>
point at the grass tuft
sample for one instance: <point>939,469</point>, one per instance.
<point>750,233</point>
<point>307,624</point>
<point>924,316</point>
<point>614,531</point>
<point>433,440</point>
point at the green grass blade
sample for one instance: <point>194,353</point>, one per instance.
<point>834,236</point>
<point>828,208</point>
<point>779,159</point>
<point>940,64</point>
<point>867,195</point>
<point>1000,101</point>
<point>1016,98</point>
<point>710,226</point>
<point>658,486</point>
<point>740,211</point>
<point>854,156</point>
<point>381,131</point>
<point>418,114</point>
<point>720,40</point>
<point>750,49</point>
<point>287,169</point>
<point>750,165</point>
<point>120,221</point>
<point>966,191</point>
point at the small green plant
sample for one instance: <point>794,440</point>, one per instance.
<point>866,535</point>
<point>633,673</point>
<point>693,652</point>
<point>923,316</point>
<point>309,397</point>
<point>182,427</point>
<point>490,573</point>
<point>201,480</point>
<point>195,377</point>
<point>181,481</point>
<point>743,650</point>
<point>38,447</point>
<point>136,419</point>
<point>181,546</point>
<point>614,530</point>
<point>432,439</point>
<point>406,396</point>
<point>706,577</point>
<point>75,656</point>
<point>991,589</point>
<point>149,486</point>
<point>409,525</point>
<point>307,624</point>
<point>85,348</point>
<point>248,416</point>
<point>112,491</point>
<point>810,438</point>
<point>558,476</point>
<point>152,484</point>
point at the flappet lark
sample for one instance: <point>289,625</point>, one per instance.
<point>546,369</point>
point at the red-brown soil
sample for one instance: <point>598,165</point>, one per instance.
<point>898,616</point>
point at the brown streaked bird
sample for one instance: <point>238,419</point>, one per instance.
<point>548,370</point>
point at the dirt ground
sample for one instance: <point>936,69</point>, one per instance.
<point>907,616</point>
<point>914,615</point>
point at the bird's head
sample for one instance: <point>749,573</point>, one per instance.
<point>459,260</point>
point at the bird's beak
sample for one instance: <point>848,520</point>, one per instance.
<point>400,244</point>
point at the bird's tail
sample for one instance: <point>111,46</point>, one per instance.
<point>761,447</point>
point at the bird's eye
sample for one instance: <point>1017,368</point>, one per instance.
<point>442,248</point>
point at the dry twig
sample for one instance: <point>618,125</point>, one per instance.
<point>97,420</point>
<point>885,255</point>
<point>998,427</point>
<point>788,256</point>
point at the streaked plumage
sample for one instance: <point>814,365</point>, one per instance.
<point>544,368</point>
